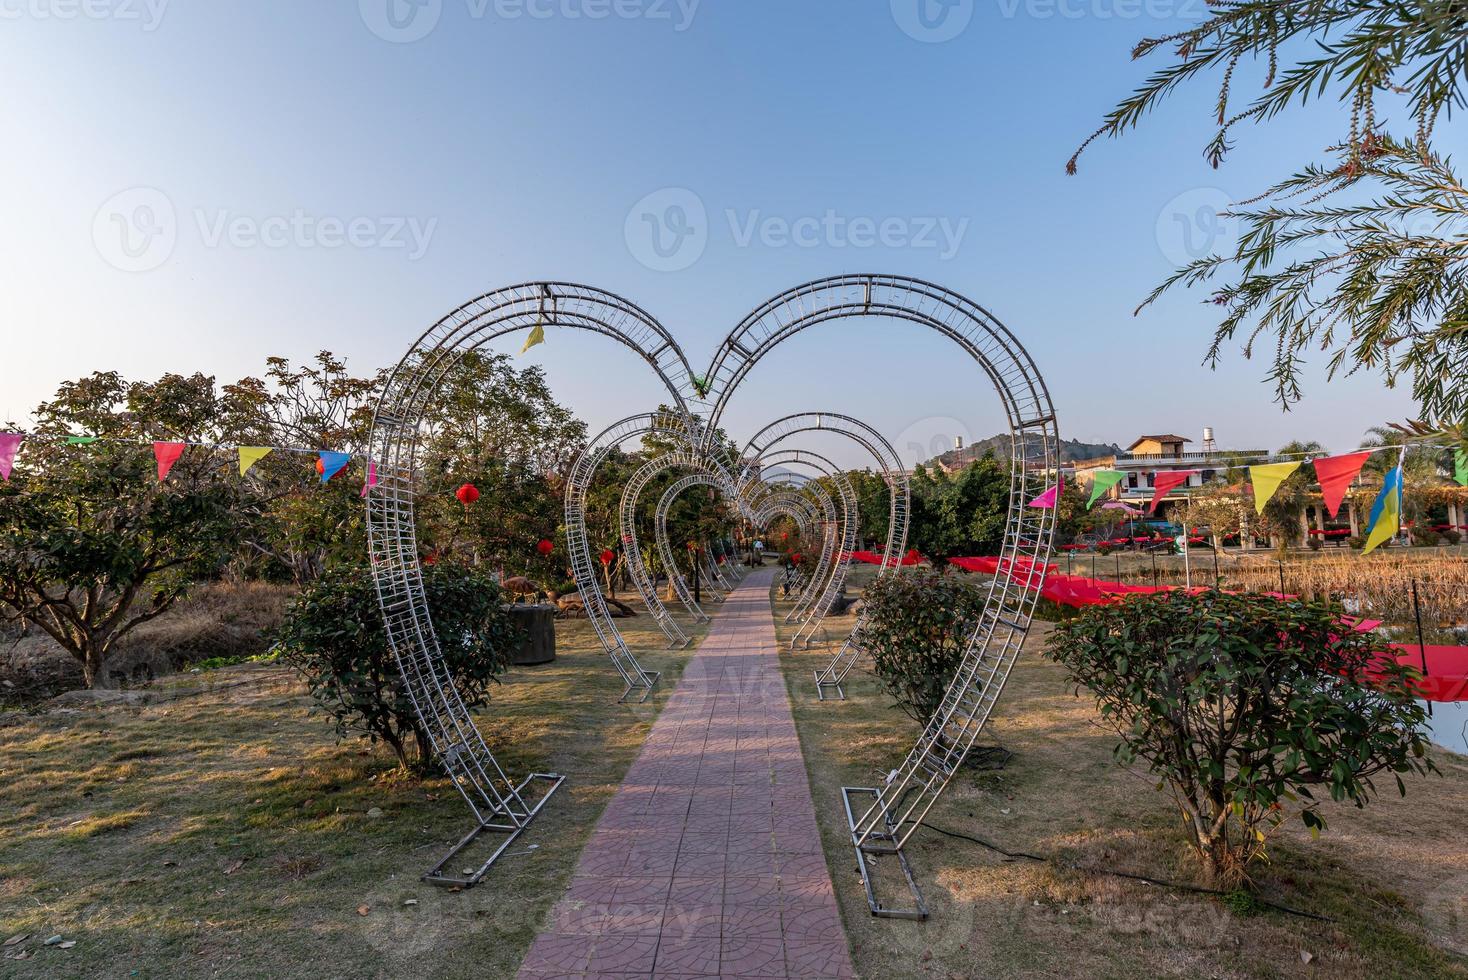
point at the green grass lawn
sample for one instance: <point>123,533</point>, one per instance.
<point>1393,877</point>
<point>226,833</point>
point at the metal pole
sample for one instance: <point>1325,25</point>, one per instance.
<point>1281,578</point>
<point>697,592</point>
<point>1153,553</point>
<point>1187,561</point>
<point>1217,541</point>
<point>1417,613</point>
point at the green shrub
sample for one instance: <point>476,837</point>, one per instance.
<point>1425,538</point>
<point>333,635</point>
<point>1452,536</point>
<point>918,625</point>
<point>1245,706</point>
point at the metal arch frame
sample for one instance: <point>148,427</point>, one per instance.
<point>828,522</point>
<point>577,485</point>
<point>499,803</point>
<point>664,540</point>
<point>898,807</point>
<point>677,637</point>
<point>834,674</point>
<point>835,557</point>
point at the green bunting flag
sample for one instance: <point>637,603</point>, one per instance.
<point>1460,466</point>
<point>80,440</point>
<point>1103,480</point>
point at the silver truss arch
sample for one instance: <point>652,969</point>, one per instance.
<point>664,424</point>
<point>836,555</point>
<point>665,545</point>
<point>637,568</point>
<point>499,802</point>
<point>825,518</point>
<point>896,809</point>
<point>830,678</point>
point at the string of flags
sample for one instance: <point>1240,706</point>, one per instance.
<point>1335,474</point>
<point>329,463</point>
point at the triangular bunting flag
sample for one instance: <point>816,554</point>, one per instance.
<point>1103,480</point>
<point>9,443</point>
<point>1335,474</point>
<point>371,478</point>
<point>1460,466</point>
<point>1386,513</point>
<point>1165,481</point>
<point>1266,479</point>
<point>1046,500</point>
<point>333,463</point>
<point>250,455</point>
<point>537,336</point>
<point>80,440</point>
<point>167,453</point>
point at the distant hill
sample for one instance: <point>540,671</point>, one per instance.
<point>1070,451</point>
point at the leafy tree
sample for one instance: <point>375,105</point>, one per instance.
<point>289,520</point>
<point>1380,282</point>
<point>92,545</point>
<point>333,636</point>
<point>1245,707</point>
<point>963,515</point>
<point>502,430</point>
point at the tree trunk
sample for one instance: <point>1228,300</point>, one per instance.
<point>93,656</point>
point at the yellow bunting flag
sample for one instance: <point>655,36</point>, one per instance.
<point>250,455</point>
<point>537,336</point>
<point>1266,480</point>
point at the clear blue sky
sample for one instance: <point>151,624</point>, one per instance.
<point>516,137</point>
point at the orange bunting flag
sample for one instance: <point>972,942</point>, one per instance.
<point>167,453</point>
<point>1335,474</point>
<point>1163,482</point>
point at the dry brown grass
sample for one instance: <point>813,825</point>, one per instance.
<point>225,832</point>
<point>1393,877</point>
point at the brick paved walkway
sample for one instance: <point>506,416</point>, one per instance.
<point>707,862</point>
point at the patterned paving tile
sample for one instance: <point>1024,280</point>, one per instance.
<point>707,862</point>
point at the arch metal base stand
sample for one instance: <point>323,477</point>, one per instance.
<point>650,680</point>
<point>867,854</point>
<point>512,827</point>
<point>825,685</point>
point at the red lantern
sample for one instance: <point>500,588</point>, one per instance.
<point>545,547</point>
<point>467,494</point>
<point>606,556</point>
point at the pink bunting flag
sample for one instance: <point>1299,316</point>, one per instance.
<point>167,453</point>
<point>371,478</point>
<point>1164,481</point>
<point>9,443</point>
<point>1335,474</point>
<point>1046,500</point>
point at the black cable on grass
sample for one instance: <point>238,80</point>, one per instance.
<point>1180,886</point>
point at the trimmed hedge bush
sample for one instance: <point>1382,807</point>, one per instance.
<point>333,636</point>
<point>918,625</point>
